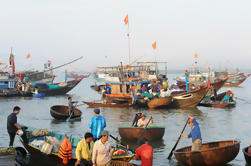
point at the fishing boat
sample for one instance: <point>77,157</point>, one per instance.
<point>247,155</point>
<point>52,159</point>
<point>217,84</point>
<point>189,99</point>
<point>217,101</point>
<point>212,153</point>
<point>61,112</point>
<point>235,83</point>
<point>93,104</point>
<point>218,105</point>
<point>58,88</point>
<point>160,102</point>
<point>152,133</point>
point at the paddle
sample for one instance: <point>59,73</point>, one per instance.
<point>142,135</point>
<point>118,142</point>
<point>171,153</point>
<point>71,113</point>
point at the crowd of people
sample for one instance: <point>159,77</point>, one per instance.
<point>94,149</point>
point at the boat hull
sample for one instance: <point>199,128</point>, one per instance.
<point>213,153</point>
<point>189,99</point>
<point>133,133</point>
<point>161,102</point>
<point>234,83</point>
<point>61,112</point>
<point>62,90</point>
<point>246,155</point>
<point>222,105</point>
<point>94,105</point>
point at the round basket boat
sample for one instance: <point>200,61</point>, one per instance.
<point>247,155</point>
<point>212,153</point>
<point>152,133</point>
<point>61,112</point>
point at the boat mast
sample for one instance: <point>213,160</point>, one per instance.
<point>129,48</point>
<point>12,62</point>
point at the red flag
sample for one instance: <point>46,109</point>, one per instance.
<point>195,55</point>
<point>28,56</point>
<point>127,34</point>
<point>154,45</point>
<point>126,19</point>
<point>106,57</point>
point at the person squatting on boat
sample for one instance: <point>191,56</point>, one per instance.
<point>142,122</point>
<point>144,153</point>
<point>228,98</point>
<point>84,151</point>
<point>97,124</point>
<point>12,126</point>
<point>195,134</point>
<point>102,151</point>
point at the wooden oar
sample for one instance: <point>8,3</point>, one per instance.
<point>118,142</point>
<point>71,113</point>
<point>171,153</point>
<point>142,135</point>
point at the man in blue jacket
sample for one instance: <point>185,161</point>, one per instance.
<point>194,134</point>
<point>97,124</point>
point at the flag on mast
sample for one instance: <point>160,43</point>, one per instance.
<point>154,45</point>
<point>126,19</point>
<point>195,55</point>
<point>28,56</point>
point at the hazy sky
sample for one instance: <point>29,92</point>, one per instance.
<point>61,30</point>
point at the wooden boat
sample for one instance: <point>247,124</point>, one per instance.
<point>218,105</point>
<point>212,153</point>
<point>189,99</point>
<point>140,102</point>
<point>215,85</point>
<point>93,104</point>
<point>61,112</point>
<point>246,155</point>
<point>118,98</point>
<point>159,102</point>
<point>52,159</point>
<point>133,133</point>
<point>235,83</point>
<point>58,88</point>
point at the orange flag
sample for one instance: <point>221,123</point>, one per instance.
<point>154,45</point>
<point>28,56</point>
<point>195,55</point>
<point>126,19</point>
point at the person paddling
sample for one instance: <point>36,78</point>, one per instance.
<point>136,119</point>
<point>12,125</point>
<point>194,134</point>
<point>97,124</point>
<point>70,106</point>
<point>142,122</point>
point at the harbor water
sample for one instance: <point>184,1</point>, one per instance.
<point>216,124</point>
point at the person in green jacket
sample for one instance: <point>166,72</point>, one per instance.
<point>84,151</point>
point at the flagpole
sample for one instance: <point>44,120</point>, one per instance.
<point>129,50</point>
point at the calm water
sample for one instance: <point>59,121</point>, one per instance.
<point>216,124</point>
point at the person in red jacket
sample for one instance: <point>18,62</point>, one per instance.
<point>145,153</point>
